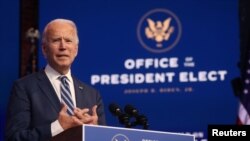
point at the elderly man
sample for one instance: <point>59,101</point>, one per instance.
<point>50,101</point>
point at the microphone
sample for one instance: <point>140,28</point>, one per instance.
<point>115,109</point>
<point>142,120</point>
<point>139,119</point>
<point>129,109</point>
<point>123,118</point>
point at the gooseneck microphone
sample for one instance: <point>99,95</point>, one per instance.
<point>139,119</point>
<point>131,110</point>
<point>115,109</point>
<point>123,117</point>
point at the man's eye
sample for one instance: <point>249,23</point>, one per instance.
<point>55,40</point>
<point>68,40</point>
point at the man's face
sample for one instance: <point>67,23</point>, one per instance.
<point>62,47</point>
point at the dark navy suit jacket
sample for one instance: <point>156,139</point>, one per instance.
<point>34,105</point>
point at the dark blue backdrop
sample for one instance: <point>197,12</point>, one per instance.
<point>9,58</point>
<point>108,37</point>
<point>209,40</point>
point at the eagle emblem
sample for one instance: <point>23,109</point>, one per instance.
<point>159,31</point>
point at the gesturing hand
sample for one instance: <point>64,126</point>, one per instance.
<point>84,116</point>
<point>67,121</point>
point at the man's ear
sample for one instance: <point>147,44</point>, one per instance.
<point>76,50</point>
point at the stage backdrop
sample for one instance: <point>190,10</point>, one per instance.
<point>172,60</point>
<point>9,58</point>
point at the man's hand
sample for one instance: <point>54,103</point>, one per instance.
<point>84,116</point>
<point>67,121</point>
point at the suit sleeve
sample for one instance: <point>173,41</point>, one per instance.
<point>100,110</point>
<point>19,118</point>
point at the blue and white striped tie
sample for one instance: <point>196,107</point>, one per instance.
<point>66,96</point>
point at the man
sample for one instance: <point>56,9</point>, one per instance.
<point>50,101</point>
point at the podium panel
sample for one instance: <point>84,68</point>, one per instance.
<point>108,133</point>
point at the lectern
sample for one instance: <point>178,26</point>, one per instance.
<point>108,133</point>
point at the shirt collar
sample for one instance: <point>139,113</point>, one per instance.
<point>53,74</point>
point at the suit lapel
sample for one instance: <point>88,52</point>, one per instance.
<point>79,92</point>
<point>48,90</point>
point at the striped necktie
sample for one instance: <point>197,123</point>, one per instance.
<point>65,95</point>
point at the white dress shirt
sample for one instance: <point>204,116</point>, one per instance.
<point>54,78</point>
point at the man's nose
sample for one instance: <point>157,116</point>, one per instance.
<point>62,44</point>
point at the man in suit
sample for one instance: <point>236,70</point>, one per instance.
<point>38,108</point>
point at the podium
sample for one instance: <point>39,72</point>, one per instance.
<point>108,133</point>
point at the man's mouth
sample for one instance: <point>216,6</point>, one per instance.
<point>62,55</point>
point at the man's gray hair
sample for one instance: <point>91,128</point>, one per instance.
<point>44,37</point>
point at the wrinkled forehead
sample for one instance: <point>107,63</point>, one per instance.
<point>61,29</point>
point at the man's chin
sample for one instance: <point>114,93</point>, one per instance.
<point>63,62</point>
<point>63,66</point>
